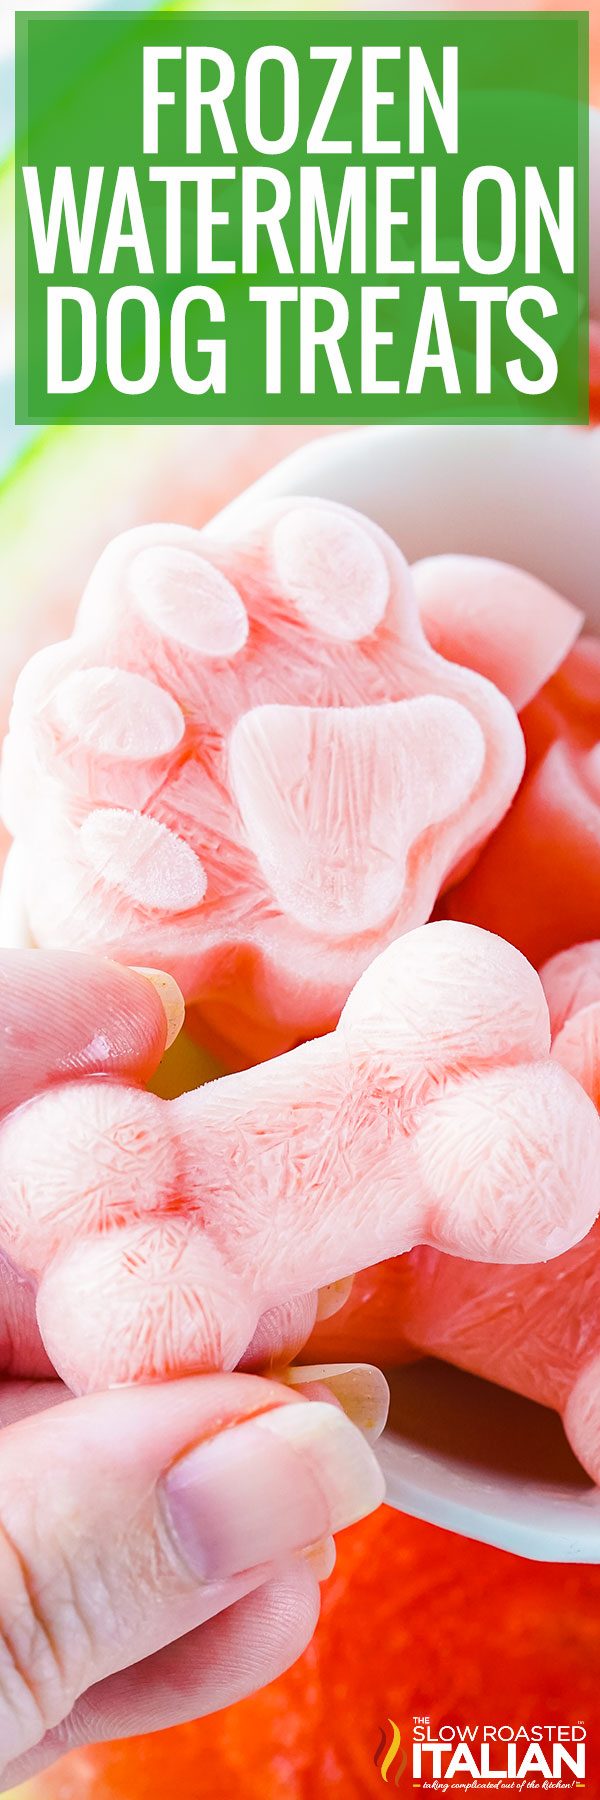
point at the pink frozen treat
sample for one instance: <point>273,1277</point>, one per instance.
<point>160,1232</point>
<point>536,1330</point>
<point>496,619</point>
<point>538,879</point>
<point>249,767</point>
<point>572,987</point>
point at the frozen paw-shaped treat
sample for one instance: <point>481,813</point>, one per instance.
<point>249,766</point>
<point>538,879</point>
<point>536,1330</point>
<point>496,619</point>
<point>161,1232</point>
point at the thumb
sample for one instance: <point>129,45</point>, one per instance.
<point>130,1518</point>
<point>63,1014</point>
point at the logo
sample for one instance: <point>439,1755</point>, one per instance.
<point>512,1758</point>
<point>391,1753</point>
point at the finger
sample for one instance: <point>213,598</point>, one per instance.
<point>64,1015</point>
<point>20,1399</point>
<point>359,1388</point>
<point>165,1505</point>
<point>251,1643</point>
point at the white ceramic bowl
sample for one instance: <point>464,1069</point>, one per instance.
<point>457,1451</point>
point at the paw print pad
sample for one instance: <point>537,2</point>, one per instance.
<point>249,767</point>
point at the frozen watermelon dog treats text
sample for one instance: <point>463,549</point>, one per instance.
<point>161,1231</point>
<point>249,766</point>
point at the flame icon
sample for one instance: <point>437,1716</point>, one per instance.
<point>391,1752</point>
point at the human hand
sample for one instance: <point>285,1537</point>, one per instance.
<point>151,1539</point>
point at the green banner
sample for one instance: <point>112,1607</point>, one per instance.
<point>302,217</point>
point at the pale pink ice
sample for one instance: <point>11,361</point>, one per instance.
<point>497,619</point>
<point>161,1232</point>
<point>536,1330</point>
<point>537,880</point>
<point>249,767</point>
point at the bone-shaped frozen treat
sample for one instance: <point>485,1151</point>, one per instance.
<point>160,1232</point>
<point>534,1329</point>
<point>249,767</point>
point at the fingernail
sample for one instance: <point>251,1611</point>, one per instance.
<point>333,1297</point>
<point>360,1389</point>
<point>171,999</point>
<point>321,1557</point>
<point>268,1487</point>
